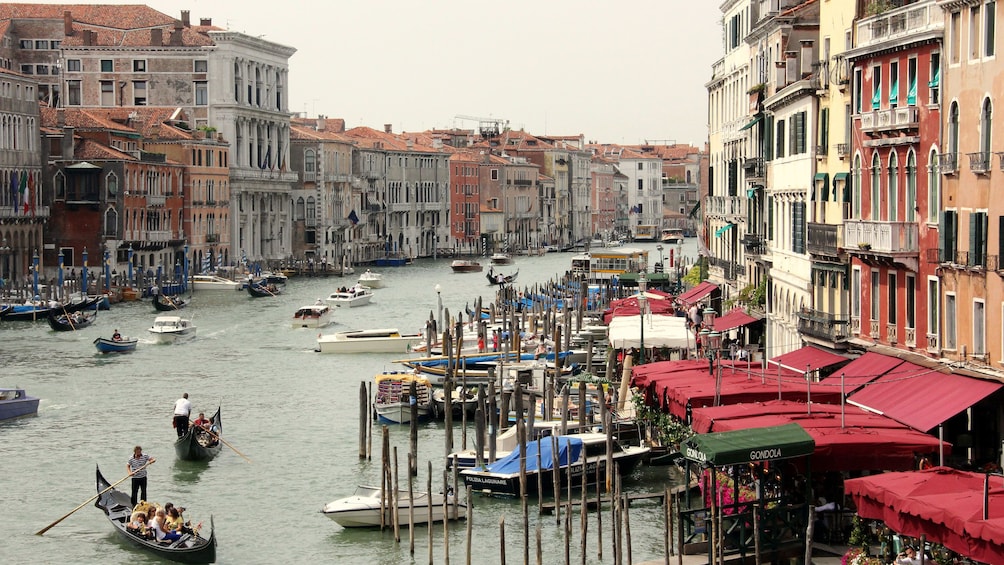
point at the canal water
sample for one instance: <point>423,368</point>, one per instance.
<point>291,411</point>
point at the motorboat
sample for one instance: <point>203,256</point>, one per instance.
<point>357,295</point>
<point>110,345</point>
<point>168,329</point>
<point>362,509</point>
<point>461,400</point>
<point>580,458</point>
<point>672,236</point>
<point>393,397</point>
<point>15,403</point>
<point>501,259</point>
<point>315,315</point>
<point>213,282</point>
<point>465,266</point>
<point>385,340</point>
<point>369,279</point>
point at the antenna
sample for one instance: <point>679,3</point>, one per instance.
<point>487,127</point>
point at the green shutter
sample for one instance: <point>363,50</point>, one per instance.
<point>877,99</point>
<point>974,234</point>
<point>911,94</point>
<point>942,241</point>
<point>770,218</point>
<point>768,139</point>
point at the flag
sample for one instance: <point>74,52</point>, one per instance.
<point>24,191</point>
<point>265,161</point>
<point>31,192</point>
<point>244,258</point>
<point>353,217</point>
<point>13,190</point>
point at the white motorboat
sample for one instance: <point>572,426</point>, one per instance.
<point>460,401</point>
<point>315,315</point>
<point>168,329</point>
<point>362,509</point>
<point>213,282</point>
<point>465,266</point>
<point>386,340</point>
<point>393,397</point>
<point>501,259</point>
<point>369,279</point>
<point>350,297</point>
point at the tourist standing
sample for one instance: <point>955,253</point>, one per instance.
<point>182,412</point>
<point>137,470</point>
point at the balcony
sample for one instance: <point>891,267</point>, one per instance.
<point>979,163</point>
<point>337,177</point>
<point>948,163</point>
<point>212,238</point>
<point>821,150</point>
<point>155,200</point>
<point>824,239</point>
<point>726,206</point>
<point>755,244</point>
<point>842,149</point>
<point>887,240</point>
<point>823,325</point>
<point>754,169</point>
<point>309,176</point>
<point>310,222</point>
<point>729,270</point>
<point>899,23</point>
<point>890,119</point>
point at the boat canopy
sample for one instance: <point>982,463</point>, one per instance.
<point>569,449</point>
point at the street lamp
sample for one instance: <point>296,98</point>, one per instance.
<point>642,302</point>
<point>661,264</point>
<point>439,299</point>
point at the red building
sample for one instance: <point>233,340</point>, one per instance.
<point>465,197</point>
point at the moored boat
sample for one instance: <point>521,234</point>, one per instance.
<point>393,397</point>
<point>38,310</point>
<point>70,322</point>
<point>386,340</point>
<point>362,509</point>
<point>315,315</point>
<point>465,266</point>
<point>164,303</point>
<point>168,329</point>
<point>461,401</point>
<point>117,507</point>
<point>201,444</point>
<point>350,297</point>
<point>122,345</point>
<point>369,279</point>
<point>213,282</point>
<point>15,403</point>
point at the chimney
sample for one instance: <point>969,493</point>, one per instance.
<point>321,123</point>
<point>806,57</point>
<point>157,37</point>
<point>67,23</point>
<point>791,67</point>
<point>186,18</point>
<point>779,75</point>
<point>67,143</point>
<point>410,144</point>
<point>176,37</point>
<point>88,41</point>
<point>387,128</point>
<point>206,22</point>
<point>60,117</point>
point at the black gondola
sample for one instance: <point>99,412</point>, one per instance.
<point>500,279</point>
<point>198,444</point>
<point>165,303</point>
<point>260,289</point>
<point>118,509</point>
<point>29,313</point>
<point>70,322</point>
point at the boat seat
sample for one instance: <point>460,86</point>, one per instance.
<point>178,542</point>
<point>120,513</point>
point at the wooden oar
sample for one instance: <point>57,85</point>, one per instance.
<point>68,320</point>
<point>224,442</point>
<point>89,500</point>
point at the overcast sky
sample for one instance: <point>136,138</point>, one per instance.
<point>618,72</point>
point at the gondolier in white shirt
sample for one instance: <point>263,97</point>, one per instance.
<point>182,412</point>
<point>137,471</point>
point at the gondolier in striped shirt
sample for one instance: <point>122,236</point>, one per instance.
<point>182,412</point>
<point>137,469</point>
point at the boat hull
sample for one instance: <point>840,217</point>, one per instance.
<point>164,303</point>
<point>105,345</point>
<point>342,343</point>
<point>198,445</point>
<point>14,403</point>
<point>363,510</point>
<point>312,318</point>
<point>371,281</point>
<point>351,302</point>
<point>400,413</point>
<point>167,337</point>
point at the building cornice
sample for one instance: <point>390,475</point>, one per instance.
<point>894,45</point>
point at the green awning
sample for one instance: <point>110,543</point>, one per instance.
<point>894,93</point>
<point>723,229</point>
<point>911,93</point>
<point>753,444</point>
<point>752,123</point>
<point>824,192</point>
<point>694,210</point>
<point>844,178</point>
<point>877,99</point>
<point>936,80</point>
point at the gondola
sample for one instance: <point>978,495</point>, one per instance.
<point>260,289</point>
<point>37,312</point>
<point>495,278</point>
<point>165,303</point>
<point>118,509</point>
<point>70,322</point>
<point>198,444</point>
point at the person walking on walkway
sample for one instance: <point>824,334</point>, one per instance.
<point>137,469</point>
<point>182,412</point>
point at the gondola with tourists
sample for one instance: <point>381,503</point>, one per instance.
<point>164,303</point>
<point>201,444</point>
<point>190,548</point>
<point>263,289</point>
<point>70,321</point>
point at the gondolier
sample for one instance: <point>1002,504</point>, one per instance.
<point>182,412</point>
<point>137,469</point>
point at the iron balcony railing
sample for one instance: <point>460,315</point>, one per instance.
<point>823,325</point>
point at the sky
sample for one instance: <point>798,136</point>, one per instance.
<point>616,72</point>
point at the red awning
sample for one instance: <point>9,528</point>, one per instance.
<point>733,319</point>
<point>922,398</point>
<point>697,293</point>
<point>808,358</point>
<point>862,370</point>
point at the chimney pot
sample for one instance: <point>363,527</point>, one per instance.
<point>321,123</point>
<point>206,22</point>
<point>186,18</point>
<point>67,23</point>
<point>387,128</point>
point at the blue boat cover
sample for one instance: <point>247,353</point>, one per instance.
<point>569,449</point>
<point>487,358</point>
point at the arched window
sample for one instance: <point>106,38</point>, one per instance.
<point>299,209</point>
<point>309,161</point>
<point>876,170</point>
<point>59,186</point>
<point>933,187</point>
<point>910,202</point>
<point>311,214</point>
<point>953,132</point>
<point>856,188</point>
<point>986,115</point>
<point>892,187</point>
<point>112,185</point>
<point>111,222</point>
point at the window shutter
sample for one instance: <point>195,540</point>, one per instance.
<point>768,138</point>
<point>770,218</point>
<point>973,235</point>
<point>942,230</point>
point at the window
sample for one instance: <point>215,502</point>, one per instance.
<point>974,32</point>
<point>26,44</point>
<point>641,184</point>
<point>107,65</point>
<point>978,223</point>
<point>41,69</point>
<point>989,15</point>
<point>107,93</point>
<point>875,186</point>
<point>41,44</point>
<point>955,29</point>
<point>308,161</point>
<point>779,148</point>
<point>910,203</point>
<point>856,189</point>
<point>797,141</point>
<point>201,93</point>
<point>857,91</point>
<point>986,115</point>
<point>73,93</point>
<point>933,303</point>
<point>950,333</point>
<point>911,81</point>
<point>953,130</point>
<point>876,87</point>
<point>73,65</point>
<point>201,66</point>
<point>824,129</point>
<point>891,295</point>
<point>139,66</point>
<point>979,328</point>
<point>139,93</point>
<point>856,292</point>
<point>911,301</point>
<point>27,69</point>
<point>892,186</point>
<point>948,233</point>
<point>798,227</point>
<point>874,296</point>
<point>893,84</point>
<point>495,174</point>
